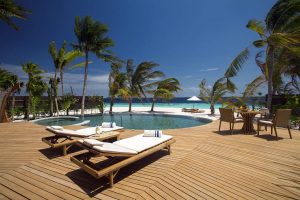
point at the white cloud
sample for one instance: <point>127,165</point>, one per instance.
<point>209,69</point>
<point>188,76</point>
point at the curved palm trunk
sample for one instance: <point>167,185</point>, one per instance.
<point>270,78</point>
<point>3,102</point>
<point>28,106</point>
<point>111,105</point>
<point>84,82</point>
<point>13,106</point>
<point>212,109</point>
<point>50,95</point>
<point>130,104</point>
<point>152,107</point>
<point>62,82</point>
<point>56,102</point>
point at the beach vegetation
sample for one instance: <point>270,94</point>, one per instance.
<point>164,89</point>
<point>9,85</point>
<point>278,44</point>
<point>214,94</point>
<point>35,86</point>
<point>138,77</point>
<point>91,36</point>
<point>10,10</point>
<point>117,81</point>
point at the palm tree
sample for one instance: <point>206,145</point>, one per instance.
<point>91,38</point>
<point>62,59</point>
<point>164,90</point>
<point>35,85</point>
<point>280,32</point>
<point>9,9</point>
<point>138,77</point>
<point>117,81</point>
<point>213,95</point>
<point>9,84</point>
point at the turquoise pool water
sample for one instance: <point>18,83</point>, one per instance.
<point>133,121</point>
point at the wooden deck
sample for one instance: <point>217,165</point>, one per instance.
<point>203,165</point>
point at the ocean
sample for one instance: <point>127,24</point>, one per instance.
<point>180,102</point>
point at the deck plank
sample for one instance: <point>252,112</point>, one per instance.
<point>203,165</point>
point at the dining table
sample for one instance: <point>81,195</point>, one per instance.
<point>248,116</point>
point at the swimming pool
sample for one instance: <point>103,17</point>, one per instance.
<point>133,121</point>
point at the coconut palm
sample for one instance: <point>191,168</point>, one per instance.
<point>91,38</point>
<point>35,85</point>
<point>138,78</point>
<point>117,81</point>
<point>9,84</point>
<point>62,59</point>
<point>213,95</point>
<point>164,89</point>
<point>9,9</point>
<point>281,32</point>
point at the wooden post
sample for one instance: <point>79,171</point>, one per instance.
<point>111,179</point>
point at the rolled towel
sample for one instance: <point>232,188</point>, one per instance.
<point>152,133</point>
<point>92,142</point>
<point>108,125</point>
<point>57,127</point>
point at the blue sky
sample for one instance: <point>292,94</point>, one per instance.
<point>190,39</point>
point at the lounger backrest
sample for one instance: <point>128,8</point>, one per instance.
<point>227,115</point>
<point>282,117</point>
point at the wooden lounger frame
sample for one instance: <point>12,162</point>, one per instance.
<point>65,142</point>
<point>83,161</point>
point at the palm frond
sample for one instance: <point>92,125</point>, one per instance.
<point>9,10</point>
<point>79,65</point>
<point>253,86</point>
<point>259,43</point>
<point>237,63</point>
<point>257,26</point>
<point>281,14</point>
<point>262,65</point>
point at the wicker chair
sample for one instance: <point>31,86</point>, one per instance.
<point>281,119</point>
<point>227,115</point>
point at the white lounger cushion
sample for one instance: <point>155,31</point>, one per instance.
<point>114,148</point>
<point>92,130</point>
<point>132,145</point>
<point>68,132</point>
<point>92,142</point>
<point>57,127</point>
<point>139,143</point>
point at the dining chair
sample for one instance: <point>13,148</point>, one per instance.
<point>227,115</point>
<point>281,119</point>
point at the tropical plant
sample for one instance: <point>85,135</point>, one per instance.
<point>9,9</point>
<point>138,77</point>
<point>279,34</point>
<point>116,81</point>
<point>91,38</point>
<point>68,101</point>
<point>9,84</point>
<point>164,89</point>
<point>35,85</point>
<point>62,59</point>
<point>7,80</point>
<point>213,95</point>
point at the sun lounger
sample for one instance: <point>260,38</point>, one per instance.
<point>129,150</point>
<point>65,138</point>
<point>192,110</point>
